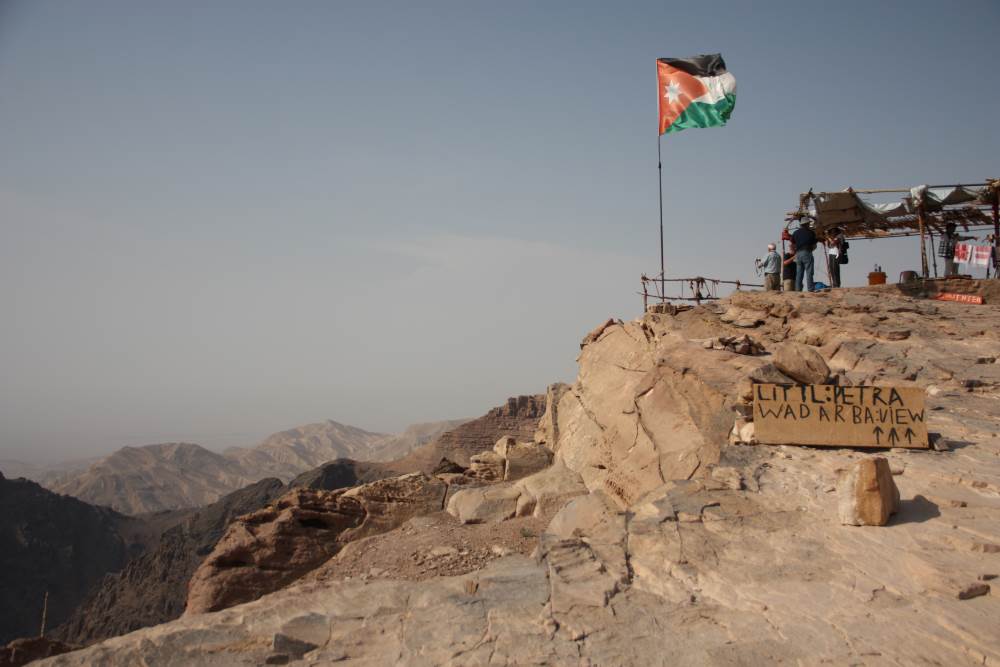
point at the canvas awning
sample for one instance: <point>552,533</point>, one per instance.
<point>851,212</point>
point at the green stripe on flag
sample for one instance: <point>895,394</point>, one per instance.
<point>700,114</point>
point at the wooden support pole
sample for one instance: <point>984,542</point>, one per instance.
<point>996,230</point>
<point>930,235</point>
<point>923,248</point>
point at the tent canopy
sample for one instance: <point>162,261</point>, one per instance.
<point>849,211</point>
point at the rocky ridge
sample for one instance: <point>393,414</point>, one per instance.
<point>681,545</point>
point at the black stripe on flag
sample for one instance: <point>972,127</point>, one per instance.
<point>711,64</point>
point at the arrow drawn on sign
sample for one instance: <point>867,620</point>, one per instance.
<point>878,435</point>
<point>893,437</point>
<point>909,435</point>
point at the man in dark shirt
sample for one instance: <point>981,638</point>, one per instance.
<point>804,242</point>
<point>788,272</point>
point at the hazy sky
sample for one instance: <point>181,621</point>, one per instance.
<point>221,219</point>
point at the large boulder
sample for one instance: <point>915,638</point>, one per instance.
<point>533,495</point>
<point>484,504</point>
<point>648,406</point>
<point>769,374</point>
<point>267,549</point>
<point>522,458</point>
<point>486,466</point>
<point>548,426</point>
<point>802,363</point>
<point>867,494</point>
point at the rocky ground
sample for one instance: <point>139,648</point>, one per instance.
<point>671,542</point>
<point>431,546</point>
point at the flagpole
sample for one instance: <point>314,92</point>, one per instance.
<point>659,168</point>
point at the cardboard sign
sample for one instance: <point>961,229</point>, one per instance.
<point>961,298</point>
<point>820,414</point>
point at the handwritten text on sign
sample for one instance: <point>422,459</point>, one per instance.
<point>818,414</point>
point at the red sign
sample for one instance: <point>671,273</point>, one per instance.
<point>961,298</point>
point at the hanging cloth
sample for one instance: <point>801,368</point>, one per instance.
<point>963,253</point>
<point>981,255</point>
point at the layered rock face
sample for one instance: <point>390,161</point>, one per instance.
<point>267,549</point>
<point>676,546</point>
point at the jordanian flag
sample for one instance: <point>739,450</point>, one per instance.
<point>694,92</point>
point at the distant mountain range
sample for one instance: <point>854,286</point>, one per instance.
<point>169,476</point>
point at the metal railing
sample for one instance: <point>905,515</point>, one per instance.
<point>699,289</point>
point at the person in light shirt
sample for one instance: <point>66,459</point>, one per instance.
<point>772,269</point>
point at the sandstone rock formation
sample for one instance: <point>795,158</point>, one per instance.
<point>267,549</point>
<point>802,363</point>
<point>648,406</point>
<point>486,466</point>
<point>867,496</point>
<point>527,463</point>
<point>535,495</point>
<point>677,547</point>
<point>521,458</point>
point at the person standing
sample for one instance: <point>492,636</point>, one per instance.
<point>804,241</point>
<point>772,269</point>
<point>837,255</point>
<point>788,272</point>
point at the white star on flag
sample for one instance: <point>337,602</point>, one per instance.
<point>672,92</point>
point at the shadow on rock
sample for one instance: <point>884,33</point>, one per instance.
<point>917,510</point>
